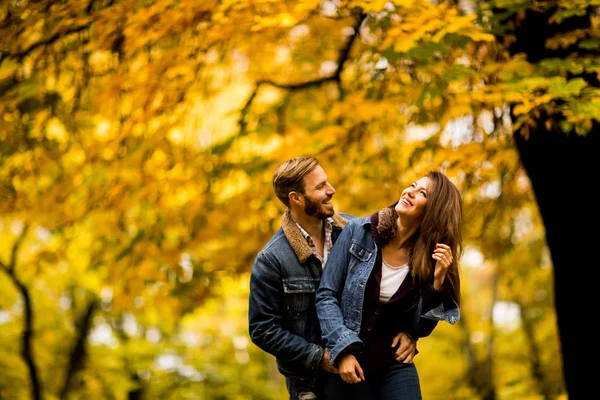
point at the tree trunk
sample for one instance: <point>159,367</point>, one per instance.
<point>563,170</point>
<point>79,352</point>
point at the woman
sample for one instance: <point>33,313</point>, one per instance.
<point>395,271</point>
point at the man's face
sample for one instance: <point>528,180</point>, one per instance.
<point>317,194</point>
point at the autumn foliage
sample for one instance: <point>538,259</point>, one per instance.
<point>138,142</point>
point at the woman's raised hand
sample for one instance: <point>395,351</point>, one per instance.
<point>443,259</point>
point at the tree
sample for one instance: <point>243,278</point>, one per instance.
<point>139,139</point>
<point>557,140</point>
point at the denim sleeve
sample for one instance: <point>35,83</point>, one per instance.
<point>265,319</point>
<point>328,299</point>
<point>439,305</point>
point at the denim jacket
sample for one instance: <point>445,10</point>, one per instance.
<point>341,294</point>
<point>281,314</point>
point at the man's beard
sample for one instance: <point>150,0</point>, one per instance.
<point>314,209</point>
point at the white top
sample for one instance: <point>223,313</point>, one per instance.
<point>391,279</point>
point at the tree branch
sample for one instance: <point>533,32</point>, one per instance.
<point>343,56</point>
<point>344,53</point>
<point>9,269</point>
<point>78,354</point>
<point>27,334</point>
<point>49,40</point>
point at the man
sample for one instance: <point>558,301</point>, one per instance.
<point>286,274</point>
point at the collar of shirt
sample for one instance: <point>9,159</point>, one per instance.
<point>328,224</point>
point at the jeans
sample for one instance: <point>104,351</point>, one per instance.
<point>398,381</point>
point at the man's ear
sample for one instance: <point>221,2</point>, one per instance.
<point>295,198</point>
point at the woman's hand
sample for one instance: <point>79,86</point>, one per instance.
<point>406,349</point>
<point>350,369</point>
<point>443,256</point>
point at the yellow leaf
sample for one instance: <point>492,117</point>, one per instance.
<point>523,108</point>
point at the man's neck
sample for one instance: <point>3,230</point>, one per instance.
<point>312,225</point>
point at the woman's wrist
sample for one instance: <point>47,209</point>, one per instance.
<point>437,284</point>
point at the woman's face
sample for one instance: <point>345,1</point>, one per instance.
<point>414,199</point>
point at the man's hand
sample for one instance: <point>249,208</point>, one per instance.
<point>406,349</point>
<point>326,365</point>
<point>350,369</point>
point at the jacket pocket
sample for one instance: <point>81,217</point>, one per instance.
<point>300,285</point>
<point>360,252</point>
<point>360,255</point>
<point>299,295</point>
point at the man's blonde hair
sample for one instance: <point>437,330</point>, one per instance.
<point>289,176</point>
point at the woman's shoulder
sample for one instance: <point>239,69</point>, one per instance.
<point>359,221</point>
<point>359,227</point>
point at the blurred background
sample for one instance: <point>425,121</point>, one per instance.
<point>138,143</point>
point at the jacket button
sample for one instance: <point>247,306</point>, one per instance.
<point>369,328</point>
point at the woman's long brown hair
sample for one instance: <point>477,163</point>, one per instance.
<point>441,224</point>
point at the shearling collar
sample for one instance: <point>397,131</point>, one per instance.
<point>295,238</point>
<point>383,224</point>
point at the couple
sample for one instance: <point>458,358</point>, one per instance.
<point>342,321</point>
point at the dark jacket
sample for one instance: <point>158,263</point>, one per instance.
<point>282,316</point>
